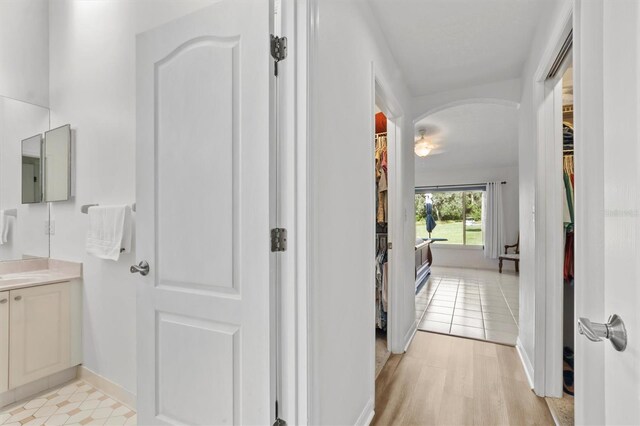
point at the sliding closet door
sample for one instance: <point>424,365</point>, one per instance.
<point>203,191</point>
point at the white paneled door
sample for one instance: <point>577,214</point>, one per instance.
<point>203,191</point>
<point>608,108</point>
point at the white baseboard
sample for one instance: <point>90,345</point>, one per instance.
<point>365,418</point>
<point>526,363</point>
<point>106,385</point>
<point>554,414</point>
<point>408,338</point>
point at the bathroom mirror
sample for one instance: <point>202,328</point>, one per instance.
<point>32,170</point>
<point>57,171</point>
<point>24,225</point>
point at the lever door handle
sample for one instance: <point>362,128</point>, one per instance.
<point>142,268</point>
<point>614,330</point>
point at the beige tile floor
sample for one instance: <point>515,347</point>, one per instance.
<point>76,403</point>
<point>473,303</point>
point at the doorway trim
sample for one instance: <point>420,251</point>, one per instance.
<point>296,73</point>
<point>589,215</point>
<point>547,362</point>
<point>384,98</point>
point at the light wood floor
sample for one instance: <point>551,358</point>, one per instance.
<point>446,380</point>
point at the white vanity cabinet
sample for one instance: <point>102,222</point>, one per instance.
<point>4,341</point>
<point>44,331</point>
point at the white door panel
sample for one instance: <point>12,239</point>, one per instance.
<point>608,381</point>
<point>622,203</point>
<point>203,188</point>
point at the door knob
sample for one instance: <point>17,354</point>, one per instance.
<point>142,268</point>
<point>3,301</point>
<point>613,330</point>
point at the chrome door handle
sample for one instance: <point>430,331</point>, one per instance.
<point>613,330</point>
<point>142,268</point>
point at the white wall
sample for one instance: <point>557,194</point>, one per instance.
<point>18,121</point>
<point>473,257</point>
<point>528,164</point>
<point>24,80</point>
<point>505,92</point>
<point>341,209</point>
<point>93,89</point>
<point>24,50</point>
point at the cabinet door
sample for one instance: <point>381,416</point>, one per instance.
<point>39,332</point>
<point>4,341</point>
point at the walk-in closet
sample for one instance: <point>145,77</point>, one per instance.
<point>382,239</point>
<point>568,227</point>
<point>568,182</point>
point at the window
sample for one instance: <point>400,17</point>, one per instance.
<point>458,217</point>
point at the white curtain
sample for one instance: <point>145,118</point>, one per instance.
<point>493,220</point>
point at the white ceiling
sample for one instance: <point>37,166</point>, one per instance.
<point>469,136</point>
<point>442,45</point>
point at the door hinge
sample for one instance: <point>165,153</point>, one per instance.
<point>278,51</point>
<point>278,239</point>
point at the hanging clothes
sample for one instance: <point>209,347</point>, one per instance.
<point>381,178</point>
<point>569,203</point>
<point>568,257</point>
<point>382,265</point>
<point>382,282</point>
<point>568,185</point>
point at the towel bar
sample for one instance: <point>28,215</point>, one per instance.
<point>85,208</point>
<point>11,212</point>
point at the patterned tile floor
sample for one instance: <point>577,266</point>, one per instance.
<point>472,303</point>
<point>77,403</point>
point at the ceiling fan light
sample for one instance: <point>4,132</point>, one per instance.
<point>422,148</point>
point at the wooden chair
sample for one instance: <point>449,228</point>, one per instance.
<point>515,257</point>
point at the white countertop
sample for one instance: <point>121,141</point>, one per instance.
<point>52,271</point>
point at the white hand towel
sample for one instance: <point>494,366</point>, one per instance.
<point>109,231</point>
<point>4,227</point>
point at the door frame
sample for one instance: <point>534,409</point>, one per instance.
<point>300,22</point>
<point>589,213</point>
<point>382,96</point>
<point>295,91</point>
<point>548,335</point>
